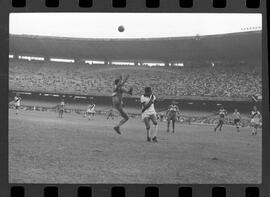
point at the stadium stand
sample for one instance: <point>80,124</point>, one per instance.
<point>234,81</point>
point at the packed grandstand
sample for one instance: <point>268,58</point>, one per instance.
<point>219,66</point>
<point>220,81</point>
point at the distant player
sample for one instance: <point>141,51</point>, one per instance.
<point>17,103</point>
<point>255,120</point>
<point>222,113</point>
<point>237,119</point>
<point>110,114</point>
<point>117,97</point>
<point>91,110</point>
<point>61,108</point>
<point>161,117</point>
<point>149,113</point>
<point>171,115</point>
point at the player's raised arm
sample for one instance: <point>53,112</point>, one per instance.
<point>125,80</point>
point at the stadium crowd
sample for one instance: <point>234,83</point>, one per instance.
<point>53,77</point>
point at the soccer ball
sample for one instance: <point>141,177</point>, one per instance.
<point>121,28</point>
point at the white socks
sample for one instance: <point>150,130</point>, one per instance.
<point>155,131</point>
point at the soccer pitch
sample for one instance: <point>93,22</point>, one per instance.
<point>45,149</point>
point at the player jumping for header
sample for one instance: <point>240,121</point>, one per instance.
<point>222,113</point>
<point>237,119</point>
<point>171,115</point>
<point>149,113</point>
<point>117,97</point>
<point>255,120</point>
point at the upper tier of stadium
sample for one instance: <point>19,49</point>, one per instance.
<point>224,47</point>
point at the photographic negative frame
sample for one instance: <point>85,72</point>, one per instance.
<point>140,189</point>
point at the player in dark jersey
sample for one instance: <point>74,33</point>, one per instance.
<point>222,113</point>
<point>171,115</point>
<point>117,101</point>
<point>256,118</point>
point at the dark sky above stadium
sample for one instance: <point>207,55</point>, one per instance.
<point>137,25</point>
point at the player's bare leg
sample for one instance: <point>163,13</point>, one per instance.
<point>123,121</point>
<point>218,125</point>
<point>254,130</point>
<point>237,127</point>
<point>173,125</point>
<point>147,125</point>
<point>154,120</point>
<point>168,126</point>
<point>220,128</point>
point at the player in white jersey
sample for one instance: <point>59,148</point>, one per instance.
<point>17,103</point>
<point>91,110</point>
<point>255,120</point>
<point>149,113</point>
<point>171,115</point>
<point>237,119</point>
<point>61,108</point>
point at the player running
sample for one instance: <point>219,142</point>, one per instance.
<point>17,103</point>
<point>237,119</point>
<point>61,108</point>
<point>91,111</point>
<point>117,97</point>
<point>149,113</point>
<point>222,113</point>
<point>171,115</point>
<point>255,120</point>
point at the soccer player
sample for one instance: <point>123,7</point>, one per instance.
<point>237,119</point>
<point>61,108</point>
<point>149,113</point>
<point>222,113</point>
<point>255,120</point>
<point>171,115</point>
<point>117,97</point>
<point>17,103</point>
<point>91,110</point>
<point>161,117</point>
<point>110,114</point>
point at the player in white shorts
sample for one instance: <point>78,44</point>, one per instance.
<point>171,115</point>
<point>91,110</point>
<point>255,120</point>
<point>149,113</point>
<point>61,108</point>
<point>237,119</point>
<point>17,103</point>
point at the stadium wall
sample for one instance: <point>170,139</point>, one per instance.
<point>133,103</point>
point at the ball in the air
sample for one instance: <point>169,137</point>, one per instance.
<point>121,28</point>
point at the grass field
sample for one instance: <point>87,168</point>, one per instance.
<point>45,149</point>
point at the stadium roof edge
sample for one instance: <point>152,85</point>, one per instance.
<point>134,39</point>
